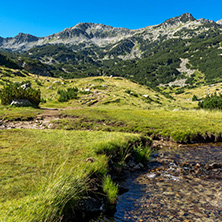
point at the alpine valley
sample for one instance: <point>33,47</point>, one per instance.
<point>181,51</point>
<point>95,121</point>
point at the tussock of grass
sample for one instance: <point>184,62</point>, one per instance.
<point>41,171</point>
<point>111,189</point>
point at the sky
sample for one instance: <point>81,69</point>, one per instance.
<point>45,17</point>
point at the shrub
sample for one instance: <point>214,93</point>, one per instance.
<point>194,98</point>
<point>15,91</point>
<point>212,101</point>
<point>179,91</point>
<point>66,95</point>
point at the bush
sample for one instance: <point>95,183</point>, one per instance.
<point>66,95</point>
<point>194,98</point>
<point>15,91</point>
<point>213,101</point>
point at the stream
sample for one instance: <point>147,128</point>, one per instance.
<point>182,184</point>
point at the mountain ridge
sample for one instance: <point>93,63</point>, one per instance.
<point>151,55</point>
<point>89,33</point>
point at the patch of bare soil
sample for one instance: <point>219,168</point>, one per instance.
<point>42,121</point>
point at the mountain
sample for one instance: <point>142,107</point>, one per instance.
<point>84,35</point>
<point>180,51</point>
<point>219,22</point>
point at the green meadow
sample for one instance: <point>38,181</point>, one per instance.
<point>45,172</point>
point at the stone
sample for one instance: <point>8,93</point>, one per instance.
<point>137,167</point>
<point>91,204</point>
<point>20,102</point>
<point>26,86</point>
<point>131,164</point>
<point>90,160</point>
<point>141,165</point>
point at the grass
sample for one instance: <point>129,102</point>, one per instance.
<point>103,91</point>
<point>43,170</point>
<point>179,125</point>
<point>19,113</point>
<point>111,189</point>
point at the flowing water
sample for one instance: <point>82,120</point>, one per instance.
<point>183,184</point>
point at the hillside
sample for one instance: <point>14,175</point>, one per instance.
<point>152,55</point>
<point>92,91</point>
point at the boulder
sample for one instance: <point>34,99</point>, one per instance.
<point>26,85</point>
<point>20,102</point>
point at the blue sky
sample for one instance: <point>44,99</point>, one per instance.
<point>45,17</point>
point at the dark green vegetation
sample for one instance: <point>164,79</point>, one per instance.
<point>66,95</point>
<point>213,101</point>
<point>16,91</point>
<point>4,60</point>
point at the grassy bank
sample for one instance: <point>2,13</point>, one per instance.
<point>43,170</point>
<point>179,125</point>
<point>21,113</point>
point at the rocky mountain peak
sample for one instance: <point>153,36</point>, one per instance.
<point>184,18</point>
<point>22,37</point>
<point>219,22</point>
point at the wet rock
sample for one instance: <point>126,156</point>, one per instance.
<point>91,205</point>
<point>122,188</point>
<point>131,164</point>
<point>213,166</point>
<point>137,167</point>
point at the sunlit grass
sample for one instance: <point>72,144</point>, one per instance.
<point>42,170</point>
<point>179,125</point>
<point>21,113</point>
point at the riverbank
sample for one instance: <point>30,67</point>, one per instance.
<point>179,185</point>
<point>45,173</point>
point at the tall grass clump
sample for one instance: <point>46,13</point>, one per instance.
<point>142,153</point>
<point>111,189</point>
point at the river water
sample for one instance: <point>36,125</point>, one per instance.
<point>183,184</point>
